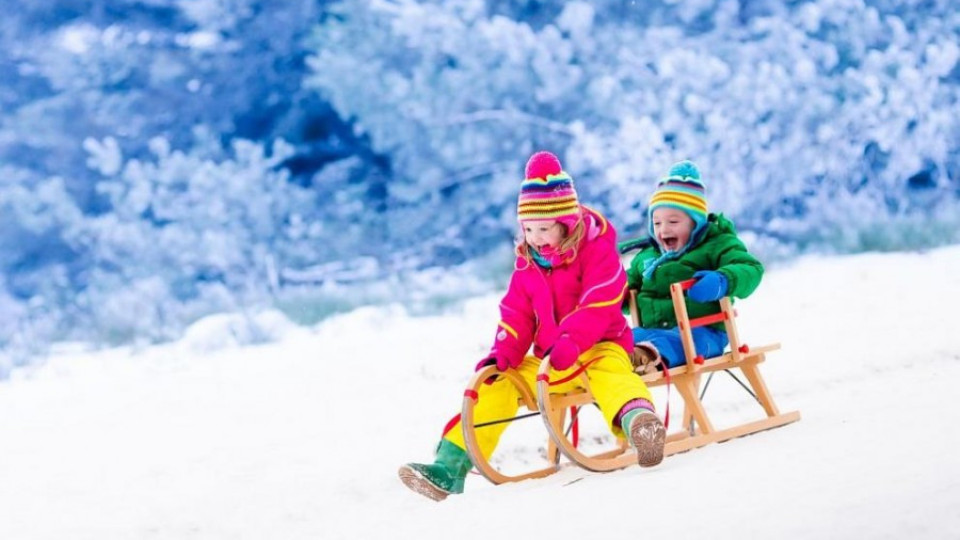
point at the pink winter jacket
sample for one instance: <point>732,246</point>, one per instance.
<point>581,298</point>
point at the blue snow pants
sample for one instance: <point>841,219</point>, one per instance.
<point>708,341</point>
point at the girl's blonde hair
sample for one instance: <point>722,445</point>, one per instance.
<point>567,246</point>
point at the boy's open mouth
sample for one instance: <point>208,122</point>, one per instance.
<point>670,243</point>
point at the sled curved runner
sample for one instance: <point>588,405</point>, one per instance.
<point>553,408</point>
<point>469,427</point>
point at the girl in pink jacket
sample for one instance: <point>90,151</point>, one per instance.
<point>563,301</point>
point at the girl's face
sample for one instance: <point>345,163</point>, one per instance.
<point>542,234</point>
<point>671,227</point>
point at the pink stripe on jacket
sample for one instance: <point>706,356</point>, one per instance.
<point>581,298</point>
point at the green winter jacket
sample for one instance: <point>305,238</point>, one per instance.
<point>718,249</point>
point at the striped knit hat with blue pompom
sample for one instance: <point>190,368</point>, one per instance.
<point>683,189</point>
<point>547,192</point>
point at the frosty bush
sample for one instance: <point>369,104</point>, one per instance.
<point>141,186</point>
<point>190,233</point>
<point>803,117</point>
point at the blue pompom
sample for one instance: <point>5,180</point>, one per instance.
<point>685,169</point>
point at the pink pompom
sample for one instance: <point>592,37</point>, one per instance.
<point>542,164</point>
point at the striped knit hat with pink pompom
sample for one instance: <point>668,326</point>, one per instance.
<point>548,192</point>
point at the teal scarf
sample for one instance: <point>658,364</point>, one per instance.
<point>541,261</point>
<point>650,265</point>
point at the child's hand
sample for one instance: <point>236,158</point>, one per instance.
<point>488,361</point>
<point>502,363</point>
<point>710,286</point>
<point>564,353</point>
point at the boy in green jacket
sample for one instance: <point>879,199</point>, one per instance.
<point>688,242</point>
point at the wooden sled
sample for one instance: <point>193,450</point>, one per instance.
<point>553,409</point>
<point>527,400</point>
<point>698,430</point>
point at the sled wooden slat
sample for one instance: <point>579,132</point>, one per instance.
<point>719,363</point>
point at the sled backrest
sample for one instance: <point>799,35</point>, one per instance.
<point>685,325</point>
<point>686,378</point>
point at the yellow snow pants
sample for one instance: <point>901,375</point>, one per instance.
<point>612,382</point>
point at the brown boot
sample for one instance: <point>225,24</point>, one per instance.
<point>645,358</point>
<point>647,436</point>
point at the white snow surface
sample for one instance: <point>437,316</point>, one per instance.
<point>302,438</point>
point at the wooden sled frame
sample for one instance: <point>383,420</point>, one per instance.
<point>698,430</point>
<point>527,400</point>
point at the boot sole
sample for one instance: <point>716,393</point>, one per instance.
<point>648,436</point>
<point>418,483</point>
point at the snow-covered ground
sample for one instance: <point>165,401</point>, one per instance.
<point>302,438</point>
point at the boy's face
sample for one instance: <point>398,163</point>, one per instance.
<point>671,227</point>
<point>543,233</point>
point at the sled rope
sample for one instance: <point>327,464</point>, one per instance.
<point>574,426</point>
<point>666,377</point>
<point>456,419</point>
<point>707,385</point>
<point>504,420</point>
<point>744,386</point>
<point>571,376</point>
<point>730,373</point>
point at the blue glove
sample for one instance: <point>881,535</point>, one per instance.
<point>710,286</point>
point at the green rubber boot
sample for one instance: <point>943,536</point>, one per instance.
<point>445,476</point>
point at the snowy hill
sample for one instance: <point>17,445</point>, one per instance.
<point>302,438</point>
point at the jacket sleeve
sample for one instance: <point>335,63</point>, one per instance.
<point>743,270</point>
<point>635,272</point>
<point>634,280</point>
<point>604,287</point>
<point>516,327</point>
